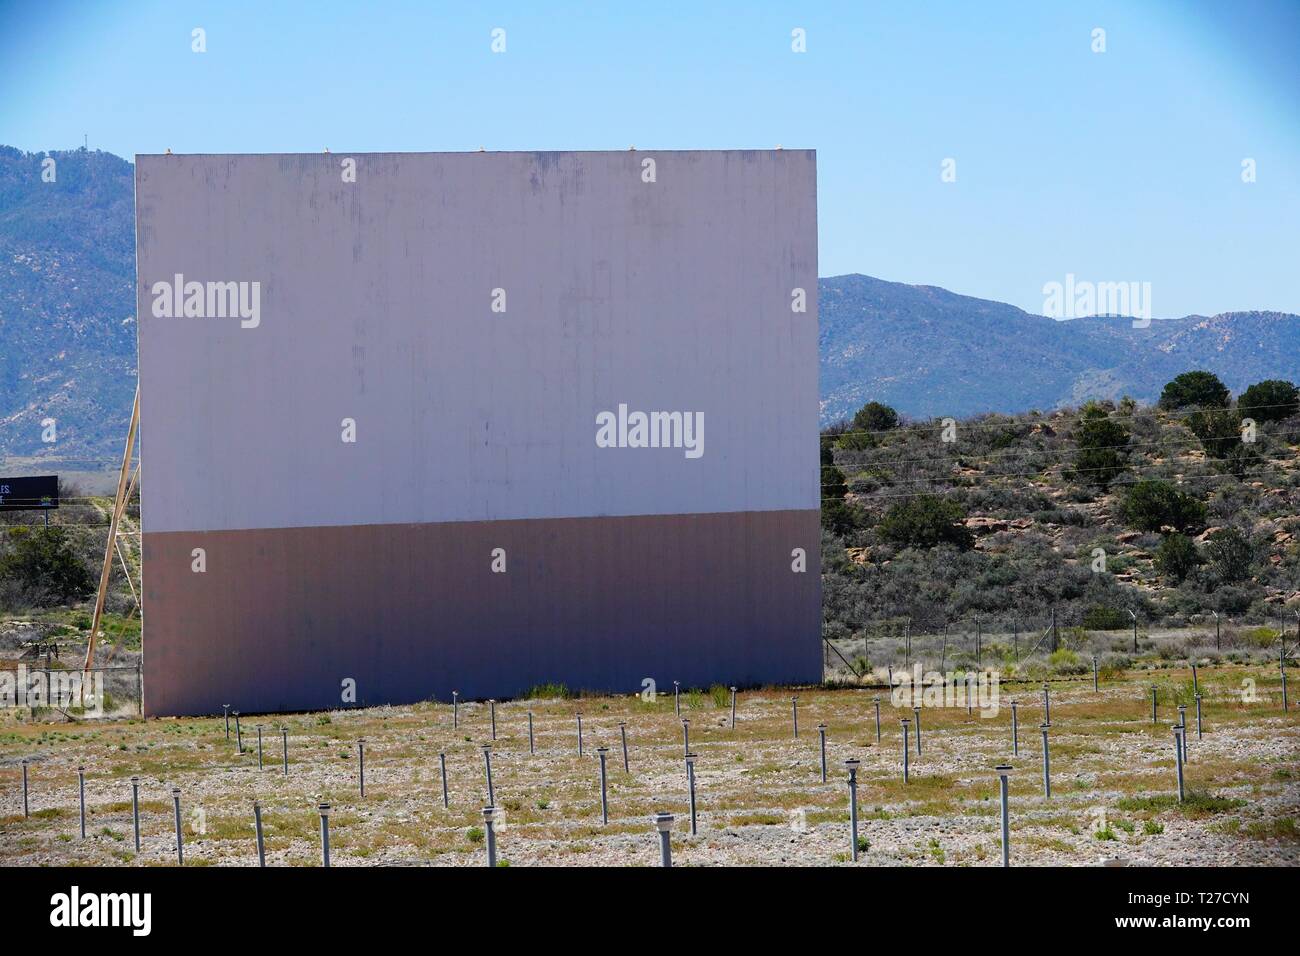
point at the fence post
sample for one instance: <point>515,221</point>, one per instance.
<point>1015,730</point>
<point>257,825</point>
<point>135,810</point>
<point>180,840</point>
<point>664,824</point>
<point>324,810</point>
<point>1047,765</point>
<point>903,722</point>
<point>690,780</point>
<point>489,824</point>
<point>1003,770</point>
<point>852,765</point>
<point>602,751</point>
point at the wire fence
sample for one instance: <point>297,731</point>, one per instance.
<point>1010,643</point>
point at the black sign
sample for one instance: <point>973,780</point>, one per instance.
<point>28,494</point>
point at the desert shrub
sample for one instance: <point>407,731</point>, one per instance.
<point>1219,430</point>
<point>1200,389</point>
<point>875,417</point>
<point>1231,554</point>
<point>44,562</point>
<point>925,522</point>
<point>1102,449</point>
<point>1269,401</point>
<point>1177,557</point>
<point>1151,504</point>
<point>1102,618</point>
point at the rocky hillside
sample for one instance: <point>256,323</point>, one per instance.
<point>930,352</point>
<point>1012,519</point>
<point>67,305</point>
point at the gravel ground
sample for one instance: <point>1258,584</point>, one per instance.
<point>760,797</point>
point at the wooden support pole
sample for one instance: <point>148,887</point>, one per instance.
<point>119,505</point>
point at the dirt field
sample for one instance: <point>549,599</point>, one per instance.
<point>760,796</point>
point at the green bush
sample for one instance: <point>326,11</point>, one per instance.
<point>1102,449</point>
<point>1218,429</point>
<point>1104,618</point>
<point>875,417</point>
<point>1231,554</point>
<point>1151,504</point>
<point>43,561</point>
<point>1195,389</point>
<point>1177,557</point>
<point>1269,401</point>
<point>926,521</point>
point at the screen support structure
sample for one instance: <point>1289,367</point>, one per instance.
<point>124,487</point>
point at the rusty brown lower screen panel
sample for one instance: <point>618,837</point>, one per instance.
<point>281,619</point>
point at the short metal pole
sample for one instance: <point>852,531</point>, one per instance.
<point>916,713</point>
<point>531,748</point>
<point>690,780</point>
<point>602,751</point>
<point>821,731</point>
<point>794,704</point>
<point>969,701</point>
<point>442,762</point>
<point>1015,730</point>
<point>622,732</point>
<point>324,809</point>
<point>180,840</point>
<point>489,824</point>
<point>1182,722</point>
<point>677,697</point>
<point>579,735</point>
<point>361,764</point>
<point>1196,687</point>
<point>135,810</point>
<point>1002,771</point>
<point>1178,760</point>
<point>492,706</point>
<point>26,808</point>
<point>664,824</point>
<point>1199,728</point>
<point>1095,687</point>
<point>81,790</point>
<point>686,736</point>
<point>259,746</point>
<point>257,826</point>
<point>906,747</point>
<point>455,709</point>
<point>852,766</point>
<point>284,740</point>
<point>876,701</point>
<point>487,763</point>
<point>733,708</point>
<point>1047,765</point>
<point>226,710</point>
<point>1047,705</point>
<point>1153,703</point>
<point>239,735</point>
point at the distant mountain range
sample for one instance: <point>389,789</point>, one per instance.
<point>67,330</point>
<point>929,352</point>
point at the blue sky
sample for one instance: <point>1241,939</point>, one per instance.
<point>1123,165</point>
